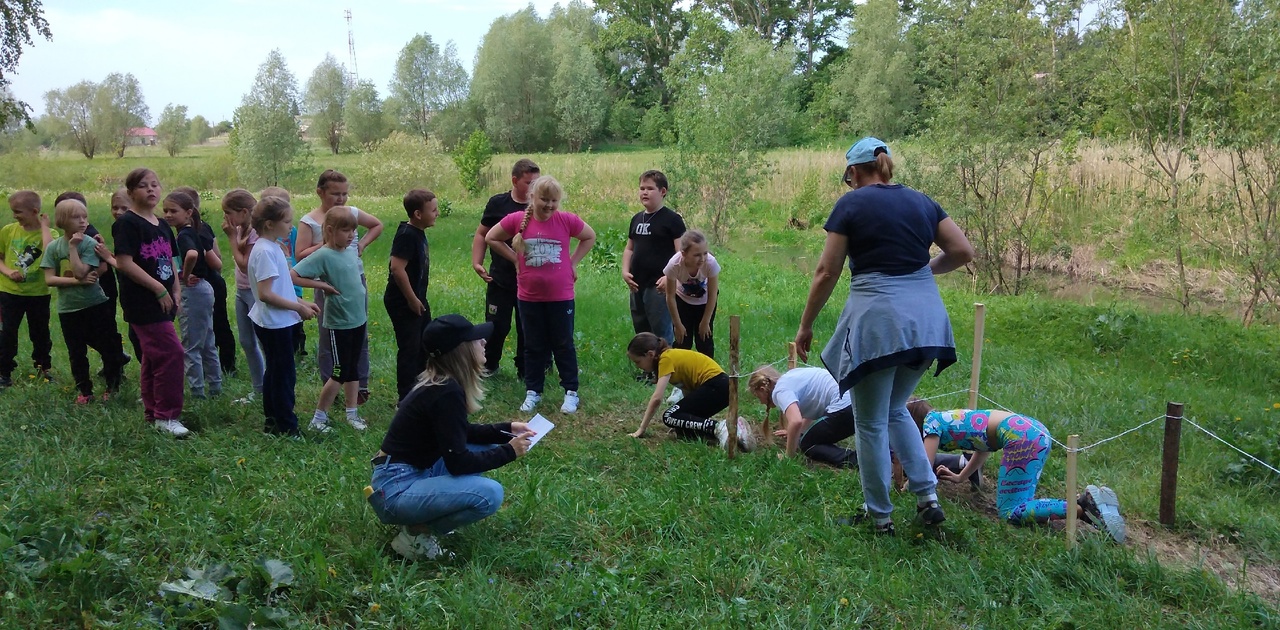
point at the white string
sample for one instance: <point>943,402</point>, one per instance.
<point>1082,448</point>
<point>958,391</point>
<point>771,365</point>
<point>1237,449</point>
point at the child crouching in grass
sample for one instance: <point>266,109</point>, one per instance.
<point>72,266</point>
<point>335,270</point>
<point>706,389</point>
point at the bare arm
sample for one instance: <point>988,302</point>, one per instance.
<point>291,303</point>
<point>975,463</point>
<point>713,296</point>
<point>586,240</point>
<point>213,259</point>
<point>52,279</point>
<point>627,253</point>
<point>79,269</point>
<point>131,270</point>
<point>189,262</point>
<point>303,246</point>
<point>830,266</point>
<point>676,324</point>
<point>654,402</point>
<point>373,227</point>
<point>956,249</point>
<point>401,278</point>
<point>795,424</point>
<point>478,247</point>
<point>308,283</point>
<point>497,238</point>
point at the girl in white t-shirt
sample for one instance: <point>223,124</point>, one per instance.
<point>276,308</point>
<point>693,285</point>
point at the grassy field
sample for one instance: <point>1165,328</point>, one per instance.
<point>97,511</point>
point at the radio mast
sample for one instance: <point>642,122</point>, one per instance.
<point>351,49</point>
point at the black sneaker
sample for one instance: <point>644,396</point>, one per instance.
<point>885,529</point>
<point>930,513</point>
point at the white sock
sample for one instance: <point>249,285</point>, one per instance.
<point>320,416</point>
<point>963,462</point>
<point>353,413</point>
<point>926,499</point>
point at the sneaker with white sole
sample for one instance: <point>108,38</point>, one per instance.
<point>418,546</point>
<point>319,426</point>
<point>1102,510</point>
<point>722,434</point>
<point>746,436</point>
<point>174,427</point>
<point>570,403</point>
<point>531,400</point>
<point>247,400</point>
<point>676,396</point>
<point>357,423</point>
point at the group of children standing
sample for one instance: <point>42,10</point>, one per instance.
<point>163,275</point>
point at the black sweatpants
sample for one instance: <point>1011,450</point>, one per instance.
<point>819,442</point>
<point>692,415</point>
<point>35,308</point>
<point>500,310</point>
<point>410,362</point>
<point>690,318</point>
<point>222,335</point>
<point>93,327</point>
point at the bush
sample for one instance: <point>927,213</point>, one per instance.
<point>402,162</point>
<point>472,159</point>
<point>656,126</point>
<point>624,120</point>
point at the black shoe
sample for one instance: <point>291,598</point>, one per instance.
<point>885,529</point>
<point>6,381</point>
<point>930,513</point>
<point>44,375</point>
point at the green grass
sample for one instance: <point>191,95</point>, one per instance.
<point>601,530</point>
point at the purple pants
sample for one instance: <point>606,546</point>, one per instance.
<point>160,378</point>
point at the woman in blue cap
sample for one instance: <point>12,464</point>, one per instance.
<point>427,477</point>
<point>893,325</point>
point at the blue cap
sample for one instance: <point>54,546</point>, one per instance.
<point>864,151</point>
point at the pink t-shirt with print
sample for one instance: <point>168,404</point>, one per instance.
<point>242,278</point>
<point>692,287</point>
<point>544,273</point>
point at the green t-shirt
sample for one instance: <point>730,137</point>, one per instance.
<point>57,256</point>
<point>341,268</point>
<point>22,251</point>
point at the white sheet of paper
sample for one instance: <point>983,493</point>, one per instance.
<point>541,427</point>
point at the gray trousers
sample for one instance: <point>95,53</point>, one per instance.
<point>324,351</point>
<point>248,339</point>
<point>880,406</point>
<point>200,350</point>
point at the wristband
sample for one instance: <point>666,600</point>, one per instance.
<point>161,295</point>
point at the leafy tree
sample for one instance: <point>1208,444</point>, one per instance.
<point>222,127</point>
<point>174,129</point>
<point>21,17</point>
<point>427,79</point>
<point>324,100</point>
<point>118,107</point>
<point>265,140</point>
<point>472,159</point>
<point>200,130</point>
<point>624,119</point>
<point>656,126</point>
<point>872,89</point>
<point>455,123</point>
<point>581,101</point>
<point>513,82</point>
<point>363,117</point>
<point>727,117</point>
<point>642,36</point>
<point>70,115</point>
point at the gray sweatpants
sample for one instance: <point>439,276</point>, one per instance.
<point>248,340</point>
<point>198,345</point>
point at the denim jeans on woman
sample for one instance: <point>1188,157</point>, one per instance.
<point>433,497</point>
<point>880,406</point>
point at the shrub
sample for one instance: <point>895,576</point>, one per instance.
<point>402,162</point>
<point>472,159</point>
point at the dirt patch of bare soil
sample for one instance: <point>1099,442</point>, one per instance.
<point>1221,559</point>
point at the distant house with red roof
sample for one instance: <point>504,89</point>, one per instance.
<point>142,136</point>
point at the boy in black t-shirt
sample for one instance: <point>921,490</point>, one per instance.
<point>409,273</point>
<point>652,239</point>
<point>500,295</point>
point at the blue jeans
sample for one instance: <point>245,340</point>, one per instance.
<point>432,497</point>
<point>548,331</point>
<point>880,406</point>
<point>649,314</point>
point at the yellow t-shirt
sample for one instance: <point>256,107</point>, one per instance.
<point>23,251</point>
<point>689,369</point>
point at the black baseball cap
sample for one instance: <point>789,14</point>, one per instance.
<point>447,332</point>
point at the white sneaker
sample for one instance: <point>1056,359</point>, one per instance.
<point>570,403</point>
<point>319,426</point>
<point>722,434</point>
<point>247,400</point>
<point>676,396</point>
<point>174,427</point>
<point>746,436</point>
<point>531,400</point>
<point>419,546</point>
<point>357,423</point>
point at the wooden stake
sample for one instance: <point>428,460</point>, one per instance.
<point>792,355</point>
<point>1073,443</point>
<point>731,422</point>
<point>979,329</point>
<point>1169,463</point>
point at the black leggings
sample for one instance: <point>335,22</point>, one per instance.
<point>819,442</point>
<point>692,415</point>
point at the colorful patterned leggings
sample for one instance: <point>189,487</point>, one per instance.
<point>1026,446</point>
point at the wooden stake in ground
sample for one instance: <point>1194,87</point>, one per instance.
<point>1073,444</point>
<point>731,422</point>
<point>979,329</point>
<point>1169,463</point>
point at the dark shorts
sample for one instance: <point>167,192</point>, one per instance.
<point>346,346</point>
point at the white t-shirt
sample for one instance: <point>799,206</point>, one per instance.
<point>267,261</point>
<point>813,389</point>
<point>317,233</point>
<point>692,288</point>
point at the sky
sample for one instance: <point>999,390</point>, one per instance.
<point>205,54</point>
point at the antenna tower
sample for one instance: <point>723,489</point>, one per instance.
<point>351,49</point>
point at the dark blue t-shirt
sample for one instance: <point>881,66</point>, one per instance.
<point>889,226</point>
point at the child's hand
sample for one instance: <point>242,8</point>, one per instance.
<point>90,278</point>
<point>945,474</point>
<point>191,280</point>
<point>704,330</point>
<point>480,271</point>
<point>17,276</point>
<point>631,283</point>
<point>230,229</point>
<point>166,303</point>
<point>44,220</point>
<point>661,285</point>
<point>680,332</point>
<point>308,310</point>
<point>76,238</point>
<point>329,289</point>
<point>417,307</point>
<point>780,433</point>
<point>98,237</point>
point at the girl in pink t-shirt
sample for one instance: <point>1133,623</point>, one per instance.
<point>545,273</point>
<point>693,288</point>
<point>238,226</point>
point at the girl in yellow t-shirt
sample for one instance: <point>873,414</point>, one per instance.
<point>706,389</point>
